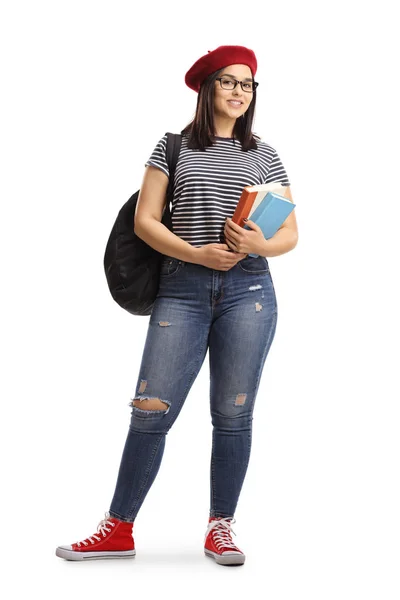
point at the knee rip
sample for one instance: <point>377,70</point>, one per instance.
<point>149,404</point>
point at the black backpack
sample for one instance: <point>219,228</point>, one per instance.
<point>132,267</point>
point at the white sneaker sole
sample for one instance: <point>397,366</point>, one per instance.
<point>226,559</point>
<point>74,555</point>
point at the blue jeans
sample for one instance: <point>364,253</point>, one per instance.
<point>231,313</point>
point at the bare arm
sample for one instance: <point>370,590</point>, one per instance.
<point>159,237</point>
<point>284,240</point>
<point>148,215</point>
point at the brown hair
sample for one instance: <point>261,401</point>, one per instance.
<point>201,129</point>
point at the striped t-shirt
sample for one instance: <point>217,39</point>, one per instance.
<point>208,184</point>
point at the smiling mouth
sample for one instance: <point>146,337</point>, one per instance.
<point>235,103</point>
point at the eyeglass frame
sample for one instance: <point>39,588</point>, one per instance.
<point>255,83</point>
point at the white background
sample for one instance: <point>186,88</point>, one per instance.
<point>88,89</point>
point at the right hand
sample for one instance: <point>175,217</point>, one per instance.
<point>218,257</point>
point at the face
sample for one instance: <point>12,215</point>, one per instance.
<point>222,105</point>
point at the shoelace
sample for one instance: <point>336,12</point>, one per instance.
<point>221,532</point>
<point>101,529</point>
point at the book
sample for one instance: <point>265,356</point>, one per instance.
<point>265,205</point>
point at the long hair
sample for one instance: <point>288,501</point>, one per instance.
<point>200,130</point>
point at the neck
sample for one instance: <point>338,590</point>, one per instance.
<point>223,126</point>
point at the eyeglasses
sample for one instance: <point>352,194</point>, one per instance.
<point>228,83</point>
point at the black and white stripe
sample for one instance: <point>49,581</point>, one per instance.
<point>208,184</point>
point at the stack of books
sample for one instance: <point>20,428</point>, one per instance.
<point>265,205</point>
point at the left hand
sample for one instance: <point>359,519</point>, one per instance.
<point>244,240</point>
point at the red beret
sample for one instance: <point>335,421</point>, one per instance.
<point>218,59</point>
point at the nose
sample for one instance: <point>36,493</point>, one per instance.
<point>237,95</point>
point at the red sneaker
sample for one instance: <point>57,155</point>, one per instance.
<point>113,539</point>
<point>218,542</point>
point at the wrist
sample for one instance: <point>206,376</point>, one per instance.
<point>263,249</point>
<point>194,256</point>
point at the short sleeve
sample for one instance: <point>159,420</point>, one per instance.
<point>158,157</point>
<point>277,171</point>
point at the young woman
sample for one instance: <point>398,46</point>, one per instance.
<point>212,296</point>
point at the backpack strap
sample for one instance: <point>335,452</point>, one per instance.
<point>174,141</point>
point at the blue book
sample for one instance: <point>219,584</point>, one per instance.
<point>269,215</point>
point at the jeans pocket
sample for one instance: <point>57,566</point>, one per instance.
<point>254,264</point>
<point>169,266</point>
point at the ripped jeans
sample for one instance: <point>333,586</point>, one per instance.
<point>231,313</point>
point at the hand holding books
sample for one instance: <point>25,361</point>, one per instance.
<point>240,240</point>
<point>268,209</point>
